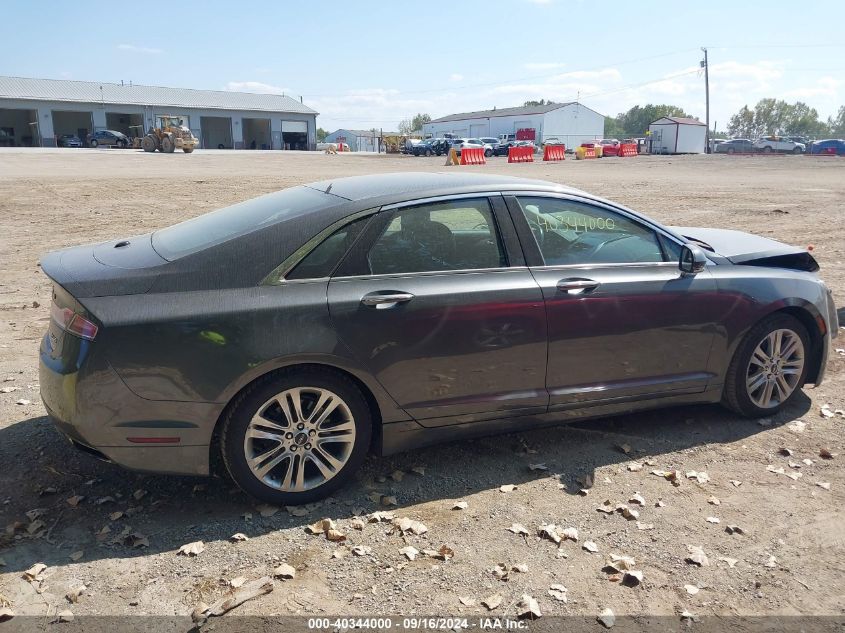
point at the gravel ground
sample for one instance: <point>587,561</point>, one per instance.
<point>788,559</point>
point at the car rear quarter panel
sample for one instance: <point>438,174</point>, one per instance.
<point>206,346</point>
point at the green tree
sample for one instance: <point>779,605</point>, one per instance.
<point>541,102</point>
<point>742,124</point>
<point>418,121</point>
<point>635,121</point>
<point>775,116</point>
<point>837,125</point>
<point>612,128</point>
<point>321,135</point>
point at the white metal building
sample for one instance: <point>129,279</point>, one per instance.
<point>358,140</point>
<point>570,123</point>
<point>35,112</point>
<point>677,135</point>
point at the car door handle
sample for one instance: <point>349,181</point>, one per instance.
<point>577,286</point>
<point>380,301</point>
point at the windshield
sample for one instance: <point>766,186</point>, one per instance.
<point>225,224</point>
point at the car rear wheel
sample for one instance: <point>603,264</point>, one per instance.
<point>767,150</point>
<point>796,150</point>
<point>769,367</point>
<point>296,436</point>
<point>731,150</point>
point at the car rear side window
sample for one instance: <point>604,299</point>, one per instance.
<point>321,261</point>
<point>453,235</point>
<point>230,222</point>
<point>572,233</point>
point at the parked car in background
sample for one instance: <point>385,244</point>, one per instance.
<point>835,146</point>
<point>489,144</point>
<point>502,148</point>
<point>108,138</point>
<point>735,146</point>
<point>610,147</point>
<point>800,139</point>
<point>458,144</point>
<point>292,384</point>
<point>69,140</point>
<point>423,148</point>
<point>769,144</point>
<point>410,145</point>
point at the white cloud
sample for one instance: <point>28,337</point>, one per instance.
<point>139,49</point>
<point>732,85</point>
<point>255,86</point>
<point>456,77</point>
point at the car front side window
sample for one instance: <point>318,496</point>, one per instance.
<point>455,235</point>
<point>569,232</point>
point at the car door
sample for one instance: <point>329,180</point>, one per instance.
<point>435,300</point>
<point>623,321</point>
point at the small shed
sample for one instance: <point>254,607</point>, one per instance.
<point>677,135</point>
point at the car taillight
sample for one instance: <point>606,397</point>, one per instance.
<point>73,322</point>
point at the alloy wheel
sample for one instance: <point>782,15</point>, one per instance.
<point>775,368</point>
<point>299,439</point>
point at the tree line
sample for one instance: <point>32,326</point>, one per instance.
<point>769,116</point>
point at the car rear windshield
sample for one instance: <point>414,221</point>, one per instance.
<point>230,222</point>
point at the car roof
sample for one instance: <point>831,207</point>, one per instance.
<point>406,186</point>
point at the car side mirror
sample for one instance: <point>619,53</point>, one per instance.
<point>693,260</point>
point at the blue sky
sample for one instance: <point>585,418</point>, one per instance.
<point>369,63</point>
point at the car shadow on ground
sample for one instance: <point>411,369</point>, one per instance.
<point>42,472</point>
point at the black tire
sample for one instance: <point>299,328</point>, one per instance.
<point>735,395</point>
<point>148,143</point>
<point>121,144</point>
<point>796,150</point>
<point>428,152</point>
<point>248,403</point>
<point>767,150</point>
<point>221,146</point>
<point>93,143</point>
<point>488,153</point>
<point>168,145</point>
<point>731,150</point>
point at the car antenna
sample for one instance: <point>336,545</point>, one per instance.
<point>329,188</point>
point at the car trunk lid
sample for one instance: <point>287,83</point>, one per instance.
<point>117,267</point>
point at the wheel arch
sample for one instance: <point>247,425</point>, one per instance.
<point>812,323</point>
<point>379,402</point>
<point>809,317</point>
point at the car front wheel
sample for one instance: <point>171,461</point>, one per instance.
<point>296,436</point>
<point>769,367</point>
<point>94,142</point>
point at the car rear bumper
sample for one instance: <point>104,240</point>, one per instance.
<point>92,407</point>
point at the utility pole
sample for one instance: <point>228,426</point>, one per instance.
<point>706,68</point>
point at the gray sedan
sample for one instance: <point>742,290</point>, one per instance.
<point>296,332</point>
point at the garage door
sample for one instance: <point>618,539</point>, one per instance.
<point>476,130</point>
<point>295,126</point>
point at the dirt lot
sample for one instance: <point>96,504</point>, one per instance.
<point>787,560</point>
